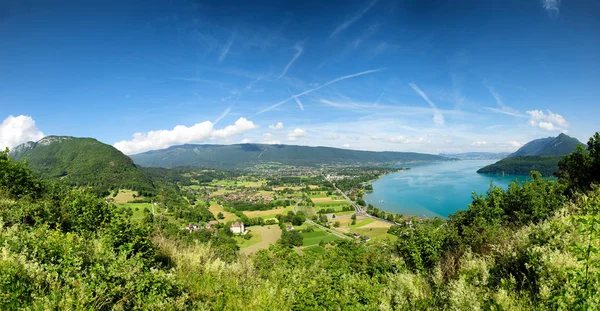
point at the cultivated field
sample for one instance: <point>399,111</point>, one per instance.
<point>268,236</point>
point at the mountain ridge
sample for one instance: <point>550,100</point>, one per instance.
<point>244,155</point>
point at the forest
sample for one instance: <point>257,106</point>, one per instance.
<point>535,245</point>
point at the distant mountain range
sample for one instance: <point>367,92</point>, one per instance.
<point>82,162</point>
<point>476,155</point>
<point>247,155</point>
<point>541,155</point>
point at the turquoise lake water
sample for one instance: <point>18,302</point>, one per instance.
<point>434,189</point>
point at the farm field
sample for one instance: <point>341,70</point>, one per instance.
<point>269,213</point>
<point>268,236</point>
<point>315,237</point>
<point>215,209</point>
<point>124,196</point>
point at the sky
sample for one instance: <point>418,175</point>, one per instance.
<point>424,76</point>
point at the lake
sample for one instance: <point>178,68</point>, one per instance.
<point>434,189</point>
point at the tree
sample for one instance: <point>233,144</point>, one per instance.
<point>220,216</point>
<point>291,238</point>
<point>336,224</point>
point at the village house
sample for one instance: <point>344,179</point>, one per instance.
<point>211,225</point>
<point>192,227</point>
<point>238,228</point>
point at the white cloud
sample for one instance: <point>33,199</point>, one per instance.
<point>245,141</point>
<point>405,140</point>
<point>240,126</point>
<point>18,130</point>
<point>479,143</point>
<point>552,7</point>
<point>438,117</point>
<point>269,138</point>
<point>515,144</point>
<point>181,134</point>
<point>547,121</point>
<point>277,126</point>
<point>295,134</point>
<point>346,145</point>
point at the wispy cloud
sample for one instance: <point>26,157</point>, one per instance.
<point>552,7</point>
<point>299,49</point>
<point>227,47</point>
<point>354,18</point>
<point>342,78</point>
<point>438,117</point>
<point>297,100</point>
<point>503,108</point>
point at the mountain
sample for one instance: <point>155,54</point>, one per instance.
<point>550,146</point>
<point>246,155</point>
<point>476,155</point>
<point>541,155</point>
<point>82,161</point>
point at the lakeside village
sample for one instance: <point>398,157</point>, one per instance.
<point>309,206</point>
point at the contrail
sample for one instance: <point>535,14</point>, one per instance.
<point>356,17</point>
<point>299,50</point>
<point>319,87</point>
<point>297,100</point>
<point>223,115</point>
<point>438,117</point>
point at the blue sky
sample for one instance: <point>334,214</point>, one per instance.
<point>426,76</point>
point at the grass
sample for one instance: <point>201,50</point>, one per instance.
<point>331,203</point>
<point>373,233</point>
<point>256,238</point>
<point>315,237</point>
<point>308,210</point>
<point>363,222</point>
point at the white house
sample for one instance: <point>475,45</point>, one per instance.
<point>238,228</point>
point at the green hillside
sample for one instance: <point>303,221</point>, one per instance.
<point>82,162</point>
<point>245,155</point>
<point>550,146</point>
<point>546,165</point>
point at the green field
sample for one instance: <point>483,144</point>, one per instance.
<point>363,222</point>
<point>243,243</point>
<point>315,237</point>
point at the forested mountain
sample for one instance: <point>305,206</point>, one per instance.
<point>541,155</point>
<point>244,155</point>
<point>546,165</point>
<point>550,146</point>
<point>82,162</point>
